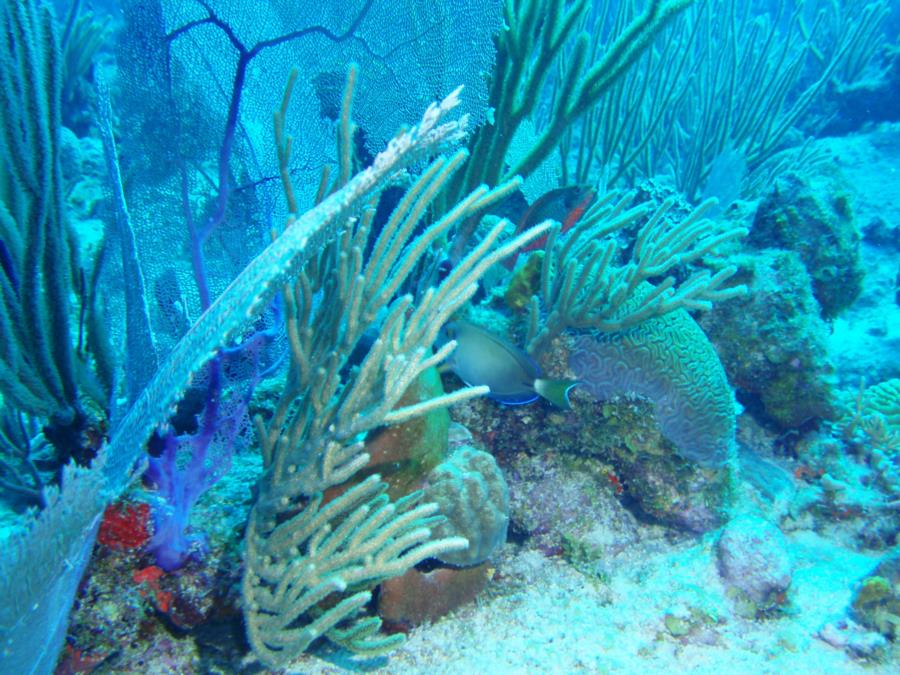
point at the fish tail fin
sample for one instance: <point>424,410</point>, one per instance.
<point>556,391</point>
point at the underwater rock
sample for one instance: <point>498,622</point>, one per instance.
<point>753,559</point>
<point>664,486</point>
<point>773,343</point>
<point>692,625</point>
<point>127,607</point>
<point>567,505</point>
<point>879,232</point>
<point>850,636</point>
<point>813,216</point>
<point>589,462</point>
<point>695,502</point>
<point>876,602</point>
<point>472,494</point>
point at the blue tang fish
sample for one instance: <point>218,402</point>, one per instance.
<point>514,378</point>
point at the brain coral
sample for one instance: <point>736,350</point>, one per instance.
<point>670,361</point>
<point>472,494</point>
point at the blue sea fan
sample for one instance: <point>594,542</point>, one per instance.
<point>410,53</point>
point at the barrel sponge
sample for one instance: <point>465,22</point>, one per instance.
<point>669,360</point>
<point>472,494</point>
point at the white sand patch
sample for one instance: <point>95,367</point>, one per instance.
<point>546,617</point>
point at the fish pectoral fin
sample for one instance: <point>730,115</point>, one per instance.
<point>556,391</point>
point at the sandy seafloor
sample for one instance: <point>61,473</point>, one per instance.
<point>541,615</point>
<point>869,331</point>
<point>546,617</point>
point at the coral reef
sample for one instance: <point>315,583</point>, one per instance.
<point>378,498</point>
<point>618,450</point>
<point>876,602</point>
<point>403,454</point>
<point>772,342</point>
<point>669,360</point>
<point>870,425</point>
<point>472,495</point>
<point>419,597</point>
<point>840,494</point>
<point>664,486</point>
<point>566,506</point>
<point>856,640</point>
<point>814,217</point>
<point>128,607</point>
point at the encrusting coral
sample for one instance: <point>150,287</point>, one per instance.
<point>815,219</point>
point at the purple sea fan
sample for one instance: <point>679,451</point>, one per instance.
<point>187,467</point>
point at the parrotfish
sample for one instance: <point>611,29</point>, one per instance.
<point>565,205</point>
<point>514,378</point>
